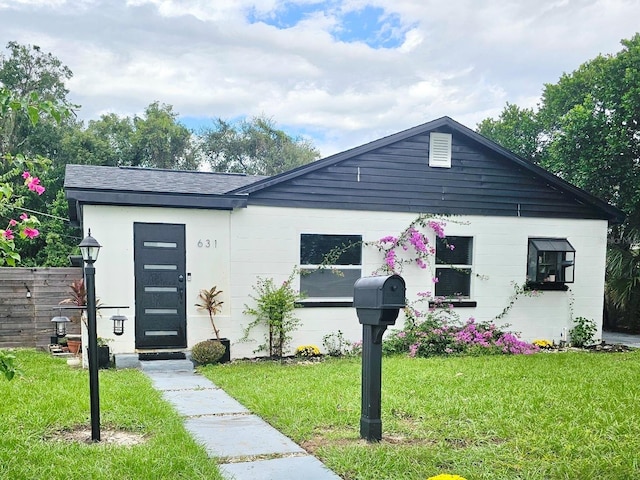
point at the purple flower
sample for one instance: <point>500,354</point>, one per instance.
<point>390,259</point>
<point>437,227</point>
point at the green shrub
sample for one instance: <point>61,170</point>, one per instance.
<point>274,307</point>
<point>583,332</point>
<point>209,351</point>
<point>335,344</point>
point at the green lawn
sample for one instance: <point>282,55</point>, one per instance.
<point>50,397</point>
<point>544,416</point>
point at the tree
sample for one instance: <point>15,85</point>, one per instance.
<point>516,129</point>
<point>36,80</point>
<point>254,147</point>
<point>27,71</point>
<point>589,134</point>
<point>159,141</point>
<point>16,178</point>
<point>154,140</point>
<point>587,128</point>
<point>13,167</point>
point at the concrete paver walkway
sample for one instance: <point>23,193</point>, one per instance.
<point>238,439</point>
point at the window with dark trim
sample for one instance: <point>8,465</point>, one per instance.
<point>329,265</point>
<point>550,261</point>
<point>454,257</point>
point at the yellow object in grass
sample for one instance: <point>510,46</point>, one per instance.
<point>446,476</point>
<point>543,343</point>
<point>307,351</point>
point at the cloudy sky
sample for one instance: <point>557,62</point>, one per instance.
<point>342,72</point>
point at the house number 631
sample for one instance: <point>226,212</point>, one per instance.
<point>206,243</point>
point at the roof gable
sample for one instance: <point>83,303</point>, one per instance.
<point>392,174</point>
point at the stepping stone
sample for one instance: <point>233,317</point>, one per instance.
<point>288,468</point>
<point>179,381</point>
<point>240,436</point>
<point>203,402</point>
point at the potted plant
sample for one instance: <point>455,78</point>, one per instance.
<point>104,358</point>
<point>78,295</point>
<point>77,298</point>
<point>208,300</point>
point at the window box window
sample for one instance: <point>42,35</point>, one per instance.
<point>550,263</point>
<point>329,266</point>
<point>454,263</point>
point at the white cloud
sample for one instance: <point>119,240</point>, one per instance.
<point>464,59</point>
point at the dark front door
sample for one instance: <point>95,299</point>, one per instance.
<point>159,255</point>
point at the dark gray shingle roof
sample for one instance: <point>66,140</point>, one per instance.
<point>133,179</point>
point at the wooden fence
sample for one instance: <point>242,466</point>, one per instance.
<point>26,298</point>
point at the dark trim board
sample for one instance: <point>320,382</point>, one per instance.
<point>455,303</point>
<point>79,197</point>
<point>321,304</point>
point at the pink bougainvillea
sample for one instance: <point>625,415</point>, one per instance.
<point>32,183</point>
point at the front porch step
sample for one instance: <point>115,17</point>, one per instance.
<point>151,362</point>
<point>145,357</point>
<point>166,366</point>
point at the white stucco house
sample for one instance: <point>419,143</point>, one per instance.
<point>168,234</point>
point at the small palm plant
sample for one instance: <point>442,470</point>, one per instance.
<point>78,296</point>
<point>209,302</point>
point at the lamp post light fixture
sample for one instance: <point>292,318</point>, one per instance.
<point>118,324</point>
<point>90,249</point>
<point>60,328</point>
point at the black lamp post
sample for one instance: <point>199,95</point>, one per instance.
<point>90,248</point>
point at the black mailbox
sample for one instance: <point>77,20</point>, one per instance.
<point>378,299</point>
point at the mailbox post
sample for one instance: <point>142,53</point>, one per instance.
<point>378,301</point>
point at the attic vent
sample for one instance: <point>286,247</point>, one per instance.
<point>440,150</point>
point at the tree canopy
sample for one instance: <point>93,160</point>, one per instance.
<point>37,121</point>
<point>254,147</point>
<point>587,131</point>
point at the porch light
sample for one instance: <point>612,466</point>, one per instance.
<point>60,328</point>
<point>90,248</point>
<point>118,324</point>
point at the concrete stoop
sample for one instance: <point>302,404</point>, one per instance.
<point>246,447</point>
